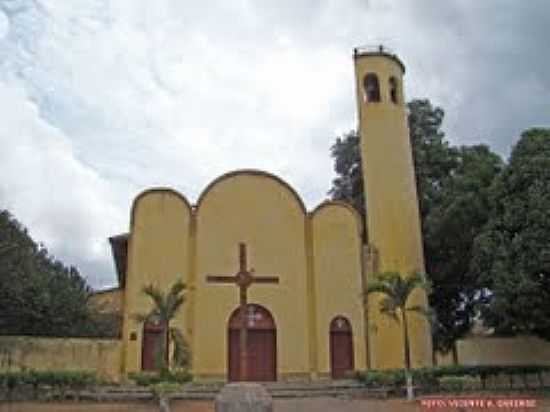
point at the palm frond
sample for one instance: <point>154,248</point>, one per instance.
<point>424,311</point>
<point>161,345</point>
<point>175,299</point>
<point>417,281</point>
<point>396,287</point>
<point>380,287</point>
<point>388,307</point>
<point>157,296</point>
<point>172,305</point>
<point>165,308</point>
<point>181,356</point>
<point>177,288</point>
<point>385,283</point>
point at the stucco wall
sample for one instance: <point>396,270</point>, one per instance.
<point>267,215</point>
<point>526,350</point>
<point>38,353</point>
<point>338,279</point>
<point>158,254</point>
<point>392,208</point>
<point>107,300</point>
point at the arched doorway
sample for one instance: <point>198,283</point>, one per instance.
<point>261,345</point>
<point>152,344</point>
<point>341,347</point>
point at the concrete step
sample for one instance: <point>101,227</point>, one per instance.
<point>208,391</point>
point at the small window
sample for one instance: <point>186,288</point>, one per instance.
<point>372,88</point>
<point>394,94</point>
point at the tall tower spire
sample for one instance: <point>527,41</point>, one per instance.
<point>393,222</point>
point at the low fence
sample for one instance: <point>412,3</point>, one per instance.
<point>102,356</point>
<point>519,350</point>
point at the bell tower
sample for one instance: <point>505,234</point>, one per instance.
<point>393,220</point>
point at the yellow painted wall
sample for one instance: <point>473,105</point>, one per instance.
<point>39,353</point>
<point>338,278</point>
<point>392,207</point>
<point>107,301</point>
<point>266,214</point>
<point>158,253</point>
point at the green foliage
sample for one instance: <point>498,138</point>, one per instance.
<point>39,295</point>
<point>452,377</point>
<point>512,254</point>
<point>434,159</point>
<point>348,185</point>
<point>182,353</point>
<point>68,379</point>
<point>164,389</point>
<point>458,383</point>
<point>449,228</point>
<point>385,378</point>
<point>396,290</point>
<point>165,308</point>
<point>178,376</point>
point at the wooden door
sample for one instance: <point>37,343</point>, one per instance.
<point>261,345</point>
<point>152,339</point>
<point>341,347</point>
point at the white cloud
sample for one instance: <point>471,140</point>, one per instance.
<point>4,25</point>
<point>66,204</point>
<point>104,99</point>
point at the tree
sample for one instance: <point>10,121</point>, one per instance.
<point>434,159</point>
<point>512,254</point>
<point>396,291</point>
<point>39,295</point>
<point>450,226</point>
<point>348,185</point>
<point>165,308</point>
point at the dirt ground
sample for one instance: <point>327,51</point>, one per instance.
<point>291,405</point>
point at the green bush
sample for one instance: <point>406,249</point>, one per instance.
<point>453,375</point>
<point>458,383</point>
<point>70,379</point>
<point>385,378</point>
<point>164,389</point>
<point>11,379</point>
<point>153,378</point>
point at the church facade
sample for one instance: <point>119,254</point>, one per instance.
<point>314,321</point>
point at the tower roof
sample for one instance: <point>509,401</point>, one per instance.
<point>377,50</point>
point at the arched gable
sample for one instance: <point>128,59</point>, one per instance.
<point>159,237</point>
<point>328,204</point>
<point>250,172</point>
<point>339,285</point>
<point>159,254</point>
<point>267,215</point>
<point>152,192</point>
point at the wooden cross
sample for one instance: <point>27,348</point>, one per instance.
<point>243,279</point>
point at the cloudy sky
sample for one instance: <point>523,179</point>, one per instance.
<point>100,99</point>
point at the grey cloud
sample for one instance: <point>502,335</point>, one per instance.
<point>143,96</point>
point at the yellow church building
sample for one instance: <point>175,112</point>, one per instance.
<point>313,322</point>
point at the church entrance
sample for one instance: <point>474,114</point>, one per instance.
<point>261,345</point>
<point>341,347</point>
<point>151,345</point>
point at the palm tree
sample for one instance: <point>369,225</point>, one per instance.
<point>164,310</point>
<point>397,290</point>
